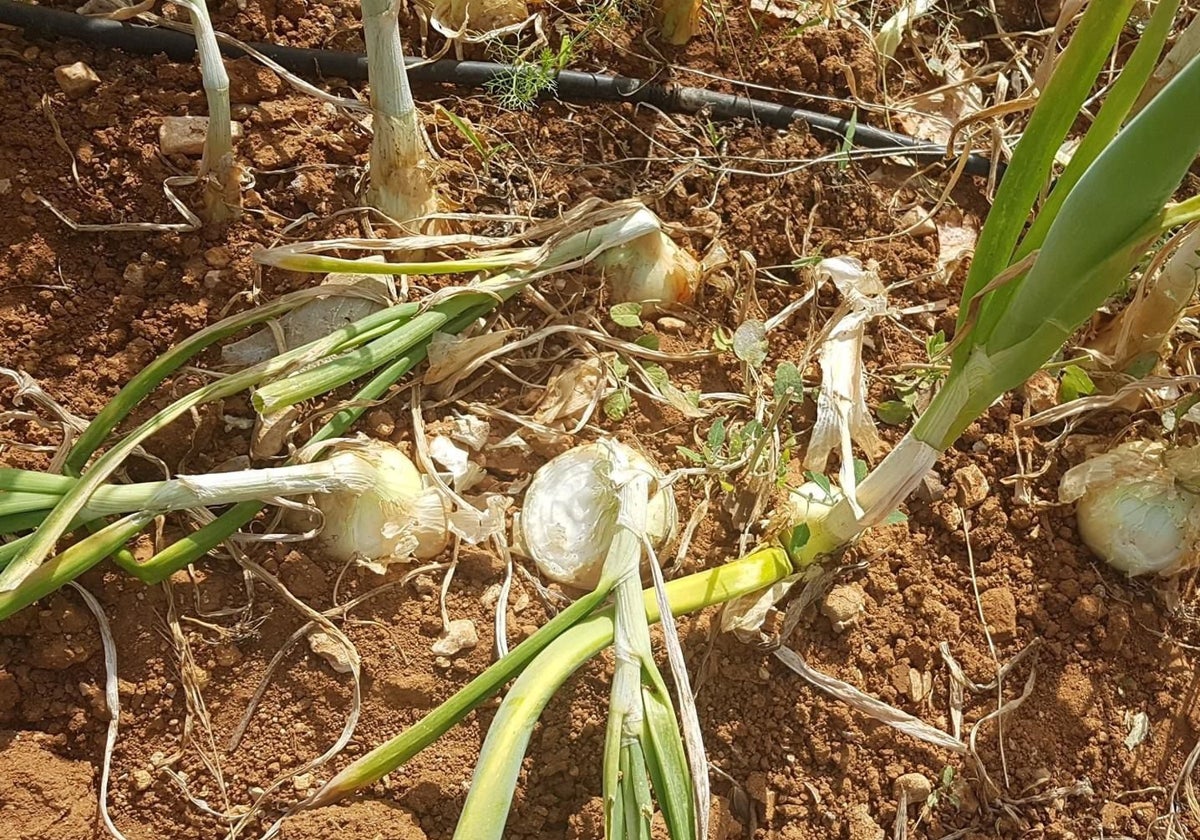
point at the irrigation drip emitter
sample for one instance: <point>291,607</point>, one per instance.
<point>570,85</point>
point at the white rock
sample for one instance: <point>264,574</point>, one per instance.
<point>76,79</point>
<point>185,135</point>
<point>331,650</point>
<point>460,635</point>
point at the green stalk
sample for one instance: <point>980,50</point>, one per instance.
<point>71,563</point>
<point>74,500</point>
<point>192,547</point>
<point>14,480</point>
<point>495,778</point>
<point>1118,102</point>
<point>1056,110</point>
<point>393,753</point>
<point>1106,222</point>
<point>571,249</point>
<point>400,183</point>
<point>341,473</point>
<point>15,504</point>
<point>641,730</point>
<point>218,168</point>
<point>288,259</point>
<point>149,377</point>
<point>281,393</point>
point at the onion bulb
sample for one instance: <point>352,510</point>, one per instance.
<point>399,517</point>
<point>571,507</point>
<point>1135,510</point>
<point>650,270</point>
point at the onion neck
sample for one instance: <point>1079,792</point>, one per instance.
<point>400,184</point>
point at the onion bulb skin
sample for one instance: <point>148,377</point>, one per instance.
<point>1134,509</point>
<point>571,508</point>
<point>1139,528</point>
<point>398,518</point>
<point>650,270</point>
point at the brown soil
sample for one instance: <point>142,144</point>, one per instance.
<point>83,312</point>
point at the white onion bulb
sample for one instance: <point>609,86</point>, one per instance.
<point>398,518</point>
<point>570,511</point>
<point>650,270</point>
<point>1132,510</point>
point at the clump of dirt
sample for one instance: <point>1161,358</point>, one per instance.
<point>369,818</point>
<point>42,795</point>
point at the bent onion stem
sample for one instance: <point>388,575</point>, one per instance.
<point>570,649</point>
<point>508,736</point>
<point>192,547</point>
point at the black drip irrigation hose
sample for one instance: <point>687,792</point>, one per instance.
<point>570,85</point>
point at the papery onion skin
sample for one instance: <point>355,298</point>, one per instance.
<point>570,512</point>
<point>650,270</point>
<point>398,514</point>
<point>1135,510</point>
<point>1139,527</point>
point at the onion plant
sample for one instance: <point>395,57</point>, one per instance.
<point>401,177</point>
<point>389,342</point>
<point>1017,310</point>
<point>219,171</point>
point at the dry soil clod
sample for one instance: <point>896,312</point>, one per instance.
<point>843,605</point>
<point>972,485</point>
<point>912,786</point>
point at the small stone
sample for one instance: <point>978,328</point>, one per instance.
<point>335,654</point>
<point>425,586</point>
<point>227,655</point>
<point>134,275</point>
<point>459,636</point>
<point>668,323</point>
<point>10,695</point>
<point>898,677</point>
<point>218,256</point>
<point>303,782</point>
<point>843,605</point>
<point>1087,610</point>
<point>972,485</point>
<point>185,135</point>
<point>142,780</point>
<point>999,611</point>
<point>931,488</point>
<point>57,655</point>
<point>1040,392</point>
<point>76,79</point>
<point>381,423</point>
<point>214,278</point>
<point>913,786</point>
